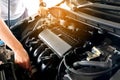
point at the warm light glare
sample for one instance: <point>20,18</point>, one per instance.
<point>33,5</point>
<point>51,3</point>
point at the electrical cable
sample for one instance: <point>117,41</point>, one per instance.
<point>60,68</point>
<point>8,22</point>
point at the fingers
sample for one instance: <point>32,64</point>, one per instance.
<point>1,62</point>
<point>43,11</point>
<point>22,59</point>
<point>23,62</point>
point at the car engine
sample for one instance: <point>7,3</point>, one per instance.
<point>79,43</point>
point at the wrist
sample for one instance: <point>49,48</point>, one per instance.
<point>18,47</point>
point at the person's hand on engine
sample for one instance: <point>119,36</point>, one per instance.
<point>43,11</point>
<point>22,58</point>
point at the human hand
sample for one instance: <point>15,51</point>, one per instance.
<point>22,58</point>
<point>1,62</point>
<point>43,11</point>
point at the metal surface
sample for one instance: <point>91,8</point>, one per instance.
<point>54,42</point>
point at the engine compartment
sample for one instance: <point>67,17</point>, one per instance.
<point>71,44</point>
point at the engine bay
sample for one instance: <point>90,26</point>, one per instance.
<point>77,44</point>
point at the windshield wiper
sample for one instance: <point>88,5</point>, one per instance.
<point>110,2</point>
<point>97,5</point>
<point>105,7</point>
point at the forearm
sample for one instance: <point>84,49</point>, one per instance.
<point>21,56</point>
<point>7,36</point>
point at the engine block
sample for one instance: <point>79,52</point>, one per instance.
<point>72,45</point>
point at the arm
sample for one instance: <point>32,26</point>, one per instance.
<point>21,56</point>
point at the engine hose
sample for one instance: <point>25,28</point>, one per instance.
<point>84,73</point>
<point>30,33</point>
<point>105,65</point>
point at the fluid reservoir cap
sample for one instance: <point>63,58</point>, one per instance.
<point>2,43</point>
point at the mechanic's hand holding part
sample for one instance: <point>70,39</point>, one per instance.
<point>21,56</point>
<point>43,10</point>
